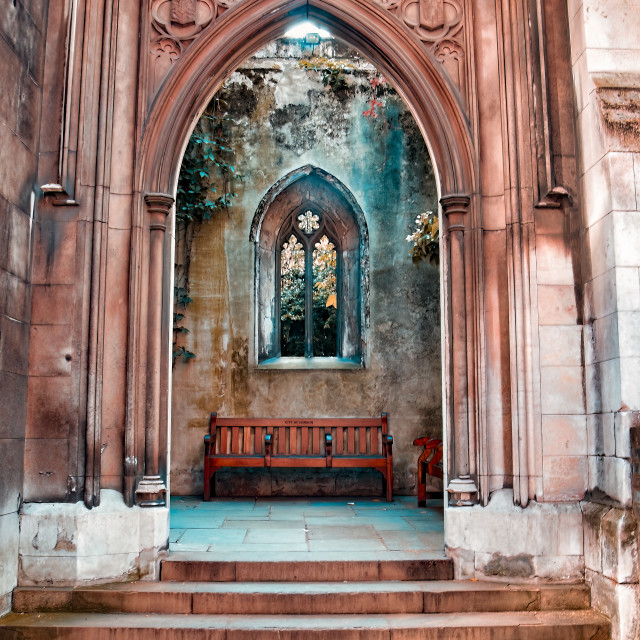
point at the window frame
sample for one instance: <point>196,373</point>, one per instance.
<point>311,188</point>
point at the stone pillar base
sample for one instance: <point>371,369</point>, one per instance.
<point>63,544</point>
<point>151,492</point>
<point>463,492</point>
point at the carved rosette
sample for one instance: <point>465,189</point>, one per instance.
<point>439,24</point>
<point>175,24</point>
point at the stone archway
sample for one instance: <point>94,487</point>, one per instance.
<point>437,108</point>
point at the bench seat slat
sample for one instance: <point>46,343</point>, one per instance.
<point>360,462</point>
<point>293,462</point>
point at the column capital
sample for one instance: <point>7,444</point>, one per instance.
<point>158,202</point>
<point>159,206</point>
<point>455,206</point>
<point>455,203</point>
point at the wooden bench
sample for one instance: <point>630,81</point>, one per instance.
<point>429,464</point>
<point>298,443</point>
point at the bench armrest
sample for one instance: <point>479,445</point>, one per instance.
<point>209,444</point>
<point>387,444</point>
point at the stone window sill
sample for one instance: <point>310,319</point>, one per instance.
<point>310,363</point>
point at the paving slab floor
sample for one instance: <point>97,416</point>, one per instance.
<point>307,528</point>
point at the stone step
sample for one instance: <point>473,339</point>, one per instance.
<point>540,625</point>
<point>302,598</point>
<point>182,569</point>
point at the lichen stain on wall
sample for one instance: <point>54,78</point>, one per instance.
<point>285,117</point>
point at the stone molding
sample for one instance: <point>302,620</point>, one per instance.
<point>620,108</point>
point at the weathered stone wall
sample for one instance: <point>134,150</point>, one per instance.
<point>286,118</point>
<point>22,27</point>
<point>606,73</point>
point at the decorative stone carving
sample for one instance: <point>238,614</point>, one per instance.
<point>432,14</point>
<point>179,22</point>
<point>440,25</point>
<point>451,55</point>
<point>431,20</point>
<point>175,24</point>
<point>183,11</point>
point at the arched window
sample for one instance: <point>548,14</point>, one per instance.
<point>311,260</point>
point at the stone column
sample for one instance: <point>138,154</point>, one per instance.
<point>151,491</point>
<point>462,488</point>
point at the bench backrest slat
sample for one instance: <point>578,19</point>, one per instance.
<point>350,436</point>
<point>258,442</point>
<point>299,422</point>
<point>351,441</point>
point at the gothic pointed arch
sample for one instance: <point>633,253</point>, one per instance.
<point>414,71</point>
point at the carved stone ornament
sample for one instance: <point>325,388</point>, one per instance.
<point>176,23</point>
<point>431,20</point>
<point>440,25</point>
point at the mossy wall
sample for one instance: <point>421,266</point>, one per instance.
<point>284,117</point>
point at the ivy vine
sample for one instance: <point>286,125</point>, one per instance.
<point>204,190</point>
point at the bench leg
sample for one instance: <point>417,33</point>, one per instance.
<point>209,480</point>
<point>207,487</point>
